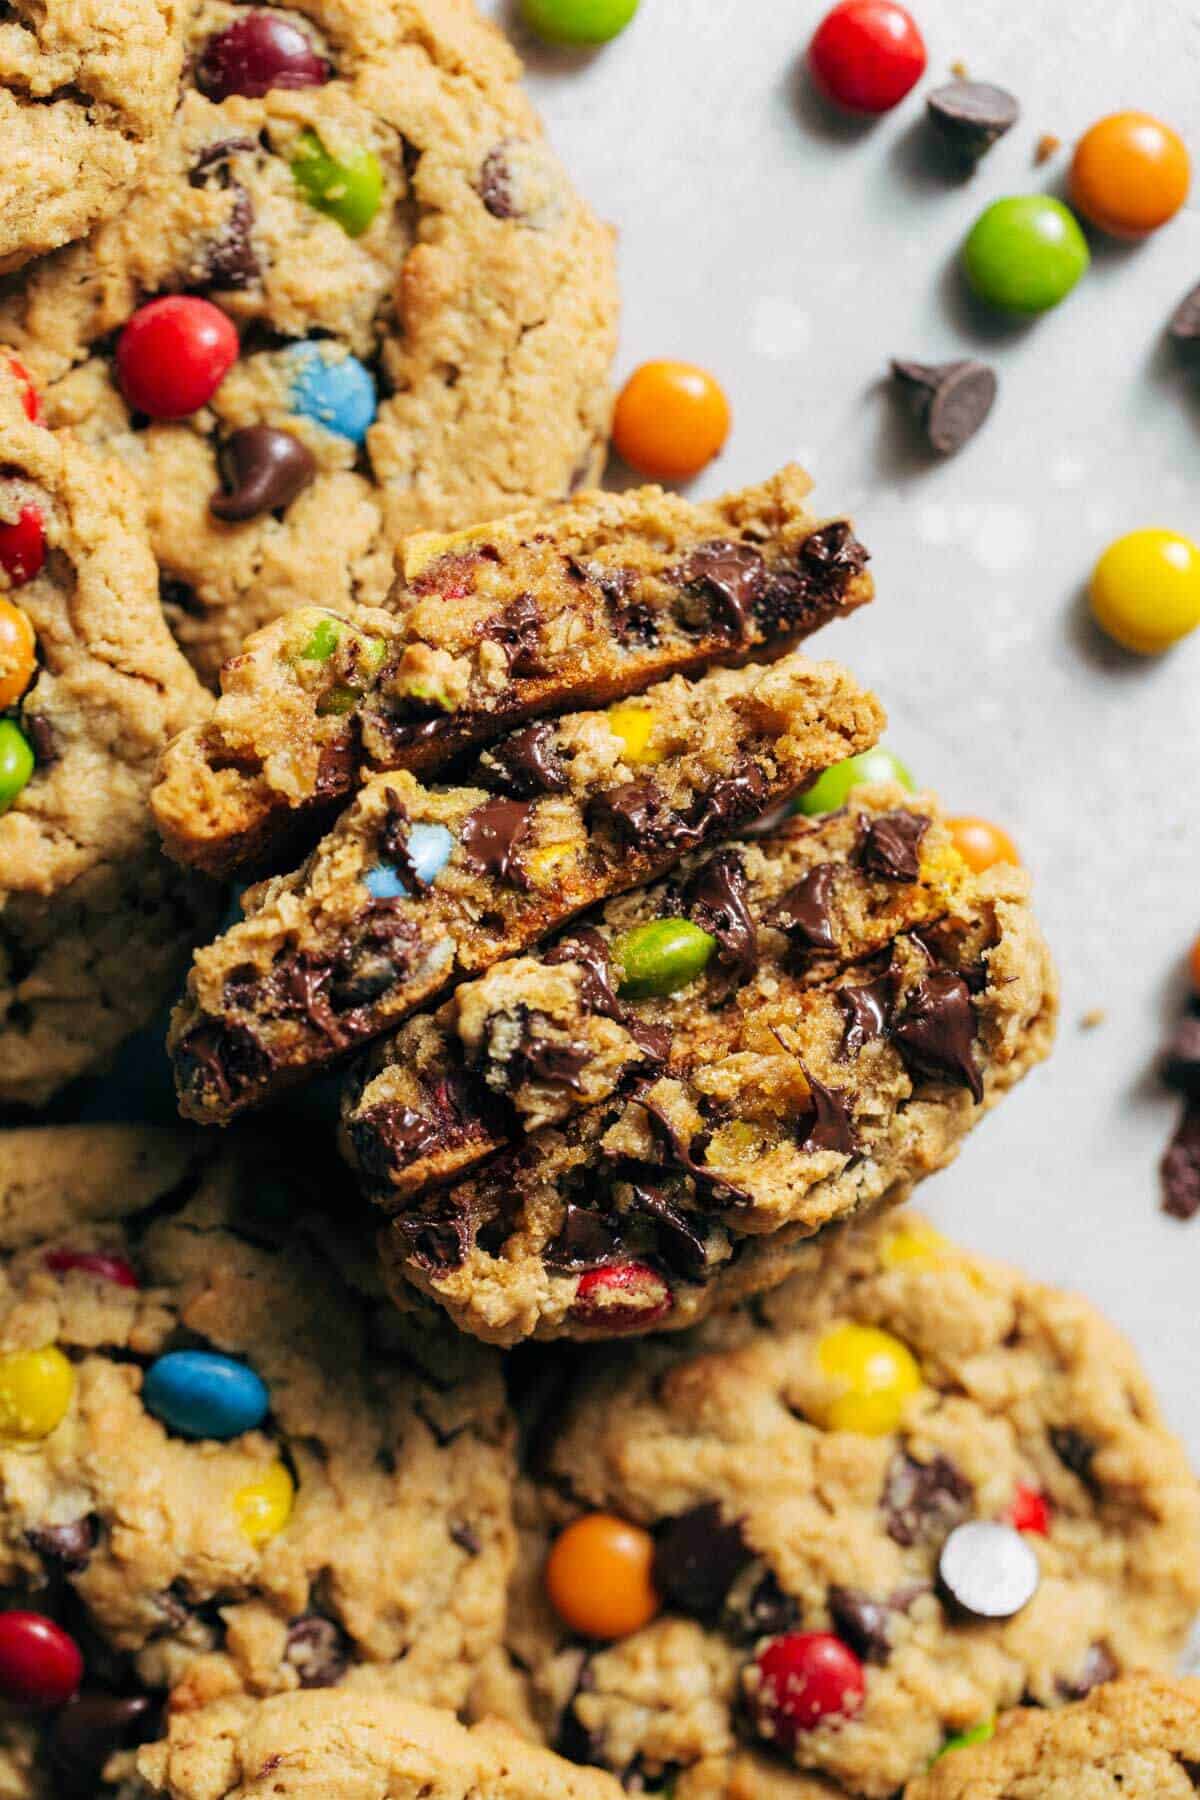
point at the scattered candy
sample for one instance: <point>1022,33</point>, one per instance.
<point>349,190</point>
<point>962,1740</point>
<point>35,1391</point>
<point>949,401</point>
<point>264,1507</point>
<point>599,1577</point>
<point>915,1245</point>
<point>988,1570</point>
<point>1029,1511</point>
<point>800,1681</point>
<point>336,391</point>
<point>660,957</point>
<point>16,763</point>
<point>18,653</point>
<point>578,21</point>
<point>29,394</point>
<point>202,1394</point>
<point>429,849</point>
<point>629,1296</point>
<point>91,1727</point>
<point>671,419</point>
<point>872,1377</point>
<point>1181,1167</point>
<point>23,546</point>
<point>1048,145</point>
<point>867,54</point>
<point>174,354</point>
<point>1130,174</point>
<point>1185,320</point>
<point>92,1262</point>
<point>981,844</point>
<point>39,1664</point>
<point>834,787</point>
<point>268,468</point>
<point>258,52</point>
<point>970,116</point>
<point>1025,254</point>
<point>634,725</point>
<point>1145,590</point>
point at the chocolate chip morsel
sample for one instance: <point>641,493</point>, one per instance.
<point>805,913</point>
<point>969,117</point>
<point>1181,1167</point>
<point>1181,1060</point>
<point>491,837</point>
<point>526,763</point>
<point>950,401</point>
<point>732,575</point>
<point>862,1622</point>
<point>936,1032</point>
<point>316,1649</point>
<point>697,1558</point>
<point>1076,1452</point>
<point>891,847</point>
<point>715,898</point>
<point>866,1010</point>
<point>1099,1665</point>
<point>268,468</point>
<point>923,1500</point>
<point>988,1570</point>
<point>1185,320</point>
<point>67,1547</point>
<point>90,1728</point>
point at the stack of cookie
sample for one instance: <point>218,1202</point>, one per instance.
<point>507,833</point>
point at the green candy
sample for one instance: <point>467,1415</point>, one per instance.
<point>578,21</point>
<point>326,636</point>
<point>350,192</point>
<point>962,1740</point>
<point>337,702</point>
<point>834,787</point>
<point>660,958</point>
<point>1025,254</point>
<point>16,762</point>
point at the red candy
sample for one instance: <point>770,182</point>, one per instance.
<point>29,394</point>
<point>92,1262</point>
<point>867,54</point>
<point>39,1664</point>
<point>627,1297</point>
<point>173,356</point>
<point>804,1678</point>
<point>23,546</point>
<point>255,54</point>
<point>1030,1511</point>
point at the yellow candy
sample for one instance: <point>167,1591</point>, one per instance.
<point>35,1392</point>
<point>872,1377</point>
<point>634,725</point>
<point>1145,590</point>
<point>544,864</point>
<point>264,1507</point>
<point>913,1245</point>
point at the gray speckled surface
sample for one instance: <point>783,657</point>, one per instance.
<point>793,253</point>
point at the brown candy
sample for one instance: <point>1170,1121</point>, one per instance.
<point>268,468</point>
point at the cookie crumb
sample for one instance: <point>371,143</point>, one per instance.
<point>959,68</point>
<point>1094,1016</point>
<point>1047,146</point>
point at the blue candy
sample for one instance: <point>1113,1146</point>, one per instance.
<point>335,390</point>
<point>429,847</point>
<point>203,1395</point>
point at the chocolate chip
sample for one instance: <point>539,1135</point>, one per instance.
<point>715,899</point>
<point>317,1651</point>
<point>827,1125</point>
<point>539,1058</point>
<point>970,116</point>
<point>922,1501</point>
<point>393,844</point>
<point>950,401</point>
<point>40,732</point>
<point>226,1057</point>
<point>988,1570</point>
<point>584,1241</point>
<point>697,1558</point>
<point>230,261</point>
<point>805,911</point>
<point>640,813</point>
<point>526,764</point>
<point>267,469</point>
<point>467,1539</point>
<point>1192,1771</point>
<point>495,187</point>
<point>1099,1666</point>
<point>436,1241</point>
<point>863,1623</point>
<point>732,575</point>
<point>389,1136</point>
<point>492,835</point>
<point>1181,1167</point>
<point>936,1032</point>
<point>720,1191</point>
<point>69,1546</point>
<point>1181,1060</point>
<point>90,1728</point>
<point>1185,320</point>
<point>588,950</point>
<point>370,961</point>
<point>680,1238</point>
<point>215,155</point>
<point>517,630</point>
<point>1076,1452</point>
<point>765,1612</point>
<point>866,1010</point>
<point>891,846</point>
<point>729,802</point>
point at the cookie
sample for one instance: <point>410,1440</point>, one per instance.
<point>912,1489</point>
<point>97,924</point>
<point>1135,1739</point>
<point>86,96</point>
<point>424,309</point>
<point>229,1464</point>
<point>779,1000</point>
<point>348,1748</point>
<point>416,888</point>
<point>545,612</point>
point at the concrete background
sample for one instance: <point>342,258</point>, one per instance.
<point>792,253</point>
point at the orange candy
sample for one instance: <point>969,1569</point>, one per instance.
<point>1194,964</point>
<point>598,1577</point>
<point>981,844</point>
<point>18,653</point>
<point>671,420</point>
<point>1130,174</point>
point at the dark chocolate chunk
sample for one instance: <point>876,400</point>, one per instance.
<point>1099,1666</point>
<point>584,1241</point>
<point>390,1136</point>
<point>1185,320</point>
<point>226,1057</point>
<point>467,1539</point>
<point>827,1126</point>
<point>923,1501</point>
<point>393,844</point>
<point>988,1570</point>
<point>436,1240</point>
<point>42,740</point>
<point>805,914</point>
<point>866,1011</point>
<point>950,401</point>
<point>370,961</point>
<point>639,813</point>
<point>517,630</point>
<point>970,116</point>
<point>268,468</point>
<point>1076,1452</point>
<point>526,764</point>
<point>540,1058</point>
<point>719,1190</point>
<point>732,575</point>
<point>715,899</point>
<point>492,834</point>
<point>891,846</point>
<point>588,950</point>
<point>863,1623</point>
<point>936,1032</point>
<point>495,187</point>
<point>679,1236</point>
<point>729,802</point>
<point>765,1612</point>
<point>215,155</point>
<point>90,1728</point>
<point>1181,1059</point>
<point>1181,1167</point>
<point>317,1651</point>
<point>68,1546</point>
<point>1192,1771</point>
<point>230,261</point>
<point>801,595</point>
<point>697,1558</point>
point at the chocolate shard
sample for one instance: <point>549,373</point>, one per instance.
<point>1181,1167</point>
<point>495,186</point>
<point>393,844</point>
<point>970,116</point>
<point>805,913</point>
<point>1099,1666</point>
<point>891,846</point>
<point>438,1240</point>
<point>492,836</point>
<point>828,1125</point>
<point>715,899</point>
<point>585,1240</point>
<point>866,1010</point>
<point>467,1539</point>
<point>526,764</point>
<point>589,951</point>
<point>685,1155</point>
<point>936,1032</point>
<point>732,575</point>
<point>680,1237</point>
<point>862,1622</point>
<point>317,1650</point>
<point>639,813</point>
<point>231,260</point>
<point>517,630</point>
<point>923,1501</point>
<point>697,1558</point>
<point>949,401</point>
